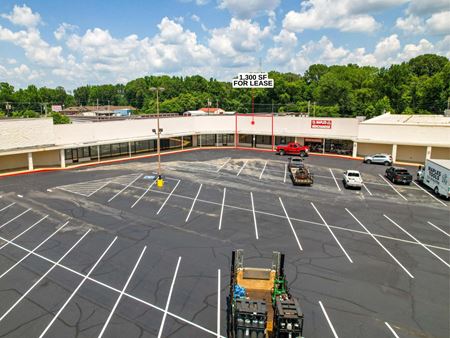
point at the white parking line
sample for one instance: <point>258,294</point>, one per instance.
<point>439,229</point>
<point>29,228</point>
<point>264,168</point>
<point>221,209</point>
<point>254,215</point>
<point>121,293</point>
<point>8,206</point>
<point>334,178</point>
<point>437,199</point>
<point>328,320</point>
<point>13,219</point>
<point>423,245</point>
<point>146,191</point>
<point>223,165</point>
<point>332,233</point>
<point>392,187</point>
<point>121,191</point>
<point>104,185</point>
<point>109,287</point>
<point>77,288</point>
<point>379,243</point>
<point>245,163</point>
<point>392,330</point>
<point>168,298</point>
<point>218,303</point>
<point>42,277</point>
<point>193,202</point>
<point>285,172</point>
<point>290,224</point>
<point>367,189</point>
<point>165,201</point>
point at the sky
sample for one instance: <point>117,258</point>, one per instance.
<point>73,43</point>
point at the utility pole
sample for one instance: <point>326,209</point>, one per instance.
<point>309,104</point>
<point>159,181</point>
<point>314,108</point>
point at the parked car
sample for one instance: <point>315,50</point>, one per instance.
<point>399,175</point>
<point>379,158</point>
<point>293,148</point>
<point>352,179</point>
<point>295,162</point>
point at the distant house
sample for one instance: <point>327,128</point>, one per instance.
<point>216,111</point>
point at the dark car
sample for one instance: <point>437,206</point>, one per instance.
<point>295,162</point>
<point>399,175</point>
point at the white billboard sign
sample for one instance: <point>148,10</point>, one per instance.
<point>252,80</point>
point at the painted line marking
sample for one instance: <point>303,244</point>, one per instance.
<point>125,188</point>
<point>29,228</point>
<point>218,303</point>
<point>153,306</point>
<point>301,220</point>
<point>290,223</point>
<point>245,163</point>
<point>328,320</point>
<point>367,189</point>
<point>193,202</point>
<point>101,187</point>
<point>264,168</point>
<point>21,196</point>
<point>334,178</point>
<point>77,288</point>
<point>168,298</point>
<point>437,199</point>
<point>439,229</point>
<point>254,215</point>
<point>8,206</point>
<point>380,244</point>
<point>49,190</point>
<point>165,201</point>
<point>393,187</point>
<point>285,172</point>
<point>332,233</point>
<point>122,292</point>
<point>221,209</point>
<point>13,219</point>
<point>223,165</point>
<point>146,191</point>
<point>392,330</point>
<point>425,247</point>
<point>43,276</point>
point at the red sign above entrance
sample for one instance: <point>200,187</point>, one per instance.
<point>321,124</point>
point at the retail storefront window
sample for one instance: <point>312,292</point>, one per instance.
<point>284,139</point>
<point>245,140</point>
<point>187,141</point>
<point>341,147</point>
<point>263,141</point>
<point>208,140</point>
<point>315,144</point>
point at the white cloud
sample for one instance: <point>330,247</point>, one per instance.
<point>195,18</point>
<point>439,23</point>
<point>63,29</point>
<point>285,43</point>
<point>23,16</point>
<point>387,47</point>
<point>345,15</point>
<point>424,7</point>
<point>248,8</point>
<point>411,50</point>
<point>411,24</point>
<point>443,46</point>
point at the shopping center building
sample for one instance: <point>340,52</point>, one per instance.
<point>29,144</point>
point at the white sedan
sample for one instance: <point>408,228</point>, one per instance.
<point>352,179</point>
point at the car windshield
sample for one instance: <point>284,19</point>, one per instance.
<point>353,174</point>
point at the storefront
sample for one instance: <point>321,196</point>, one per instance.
<point>315,144</point>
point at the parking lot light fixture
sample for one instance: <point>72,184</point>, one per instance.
<point>160,181</point>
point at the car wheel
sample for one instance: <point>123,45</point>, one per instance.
<point>436,191</point>
<point>368,161</point>
<point>282,152</point>
<point>386,163</point>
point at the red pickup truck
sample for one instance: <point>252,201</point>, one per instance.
<point>293,148</point>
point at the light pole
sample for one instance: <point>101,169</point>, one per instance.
<point>158,131</point>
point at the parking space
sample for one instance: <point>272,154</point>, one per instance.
<point>111,254</point>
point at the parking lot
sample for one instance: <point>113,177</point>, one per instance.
<point>102,251</point>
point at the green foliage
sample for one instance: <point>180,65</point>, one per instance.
<point>60,119</point>
<point>25,114</point>
<point>421,85</point>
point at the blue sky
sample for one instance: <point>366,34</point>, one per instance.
<point>73,43</point>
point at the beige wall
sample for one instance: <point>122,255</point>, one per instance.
<point>440,153</point>
<point>373,148</point>
<point>22,133</point>
<point>13,162</point>
<point>46,158</point>
<point>411,153</point>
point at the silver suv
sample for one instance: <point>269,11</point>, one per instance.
<point>379,158</point>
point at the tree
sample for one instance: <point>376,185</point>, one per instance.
<point>427,64</point>
<point>60,119</point>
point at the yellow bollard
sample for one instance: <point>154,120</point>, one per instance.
<point>159,182</point>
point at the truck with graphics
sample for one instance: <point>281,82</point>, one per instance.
<point>436,175</point>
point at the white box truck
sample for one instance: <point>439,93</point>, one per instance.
<point>436,175</point>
